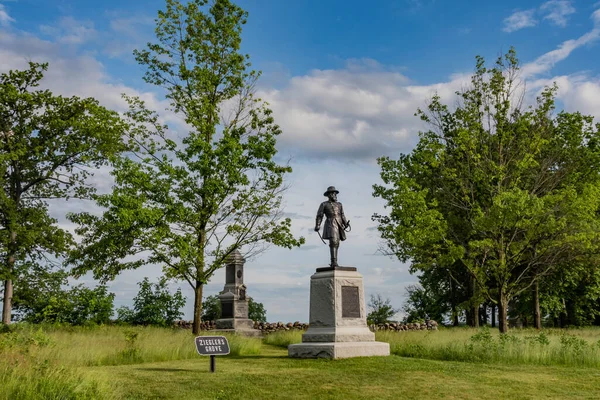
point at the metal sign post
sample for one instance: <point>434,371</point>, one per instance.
<point>212,346</point>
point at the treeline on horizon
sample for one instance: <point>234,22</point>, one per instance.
<point>496,207</point>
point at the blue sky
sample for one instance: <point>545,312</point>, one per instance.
<point>344,79</point>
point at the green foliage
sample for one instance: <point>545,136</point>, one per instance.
<point>131,353</point>
<point>256,311</point>
<point>24,338</point>
<point>77,305</point>
<point>211,309</point>
<point>506,193</point>
<point>381,310</point>
<point>422,303</point>
<point>48,145</point>
<point>189,203</point>
<point>153,305</point>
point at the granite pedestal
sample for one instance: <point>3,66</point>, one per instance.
<point>338,320</point>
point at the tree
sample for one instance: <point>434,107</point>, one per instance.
<point>381,310</point>
<point>571,296</point>
<point>256,311</point>
<point>211,310</point>
<point>153,305</point>
<point>48,144</point>
<point>422,303</point>
<point>510,192</point>
<point>40,296</point>
<point>189,204</point>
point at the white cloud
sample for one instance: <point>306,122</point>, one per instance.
<point>359,112</point>
<point>545,62</point>
<point>5,19</point>
<point>519,20</point>
<point>126,34</point>
<point>557,11</point>
<point>577,92</point>
<point>70,31</point>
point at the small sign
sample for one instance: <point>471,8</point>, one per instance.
<point>212,345</point>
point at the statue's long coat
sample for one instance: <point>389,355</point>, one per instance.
<point>335,222</point>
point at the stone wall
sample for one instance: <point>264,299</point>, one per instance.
<point>413,326</point>
<point>267,327</point>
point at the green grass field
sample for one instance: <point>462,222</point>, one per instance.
<point>152,363</point>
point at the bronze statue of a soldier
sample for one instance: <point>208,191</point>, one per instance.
<point>335,225</point>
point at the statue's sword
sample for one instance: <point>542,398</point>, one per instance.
<point>321,237</point>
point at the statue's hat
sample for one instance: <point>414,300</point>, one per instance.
<point>331,189</point>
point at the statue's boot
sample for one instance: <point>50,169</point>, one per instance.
<point>333,251</point>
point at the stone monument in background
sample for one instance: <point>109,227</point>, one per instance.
<point>234,302</point>
<point>338,318</point>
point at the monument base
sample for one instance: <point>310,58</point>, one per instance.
<point>338,318</point>
<point>338,349</point>
<point>238,326</point>
<point>338,334</point>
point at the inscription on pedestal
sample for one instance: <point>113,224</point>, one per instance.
<point>226,310</point>
<point>350,302</point>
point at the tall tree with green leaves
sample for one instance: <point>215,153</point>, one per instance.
<point>189,203</point>
<point>512,192</point>
<point>48,145</point>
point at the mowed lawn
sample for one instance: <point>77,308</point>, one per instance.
<point>272,375</point>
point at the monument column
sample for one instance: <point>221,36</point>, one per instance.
<point>234,303</point>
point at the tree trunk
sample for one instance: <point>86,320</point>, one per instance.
<point>197,308</point>
<point>475,311</point>
<point>563,317</point>
<point>493,307</point>
<point>8,283</point>
<point>7,304</point>
<point>502,313</point>
<point>537,318</point>
<point>453,301</point>
<point>199,275</point>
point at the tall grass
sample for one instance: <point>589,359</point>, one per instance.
<point>52,362</point>
<point>24,375</point>
<point>44,362</point>
<point>283,338</point>
<point>117,345</point>
<point>547,347</point>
